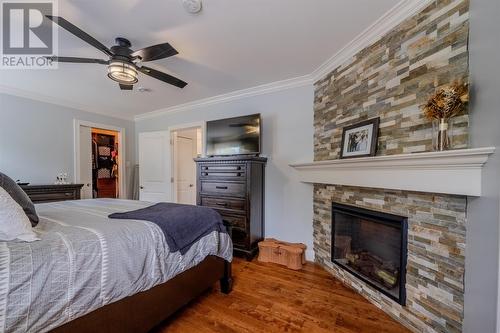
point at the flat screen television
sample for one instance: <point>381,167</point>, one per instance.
<point>234,136</point>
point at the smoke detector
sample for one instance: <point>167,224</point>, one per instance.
<point>192,6</point>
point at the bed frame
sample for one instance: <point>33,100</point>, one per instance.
<point>143,311</point>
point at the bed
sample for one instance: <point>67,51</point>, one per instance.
<point>89,273</point>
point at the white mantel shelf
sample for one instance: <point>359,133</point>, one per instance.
<point>451,172</point>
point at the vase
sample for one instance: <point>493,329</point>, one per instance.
<point>441,134</point>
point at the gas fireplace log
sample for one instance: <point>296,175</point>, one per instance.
<point>387,278</point>
<point>374,267</point>
<point>352,257</point>
<point>371,257</point>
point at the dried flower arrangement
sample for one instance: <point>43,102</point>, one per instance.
<point>447,101</point>
<point>443,105</point>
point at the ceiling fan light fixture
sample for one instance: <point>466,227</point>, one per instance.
<point>123,62</point>
<point>122,72</point>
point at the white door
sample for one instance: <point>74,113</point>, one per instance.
<point>86,162</point>
<point>185,170</point>
<point>154,169</point>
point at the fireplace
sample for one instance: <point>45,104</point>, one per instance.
<point>372,246</point>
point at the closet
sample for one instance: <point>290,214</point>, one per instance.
<point>104,164</point>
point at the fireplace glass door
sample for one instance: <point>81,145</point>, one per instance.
<point>372,246</point>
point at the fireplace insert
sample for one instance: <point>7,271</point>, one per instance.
<point>372,246</point>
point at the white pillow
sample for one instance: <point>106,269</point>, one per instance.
<point>14,223</point>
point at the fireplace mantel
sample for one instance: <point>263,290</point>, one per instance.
<point>450,172</point>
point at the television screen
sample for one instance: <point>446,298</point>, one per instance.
<point>234,136</point>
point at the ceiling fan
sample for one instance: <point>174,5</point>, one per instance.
<point>123,62</point>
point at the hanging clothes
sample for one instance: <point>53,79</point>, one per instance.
<point>114,171</point>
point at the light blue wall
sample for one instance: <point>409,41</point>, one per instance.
<point>287,136</point>
<point>483,229</point>
<point>36,139</point>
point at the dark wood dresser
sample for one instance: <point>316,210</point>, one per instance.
<point>234,186</point>
<point>52,193</point>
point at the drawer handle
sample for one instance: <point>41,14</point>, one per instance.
<point>238,174</point>
<point>205,174</point>
<point>224,204</point>
<point>221,187</point>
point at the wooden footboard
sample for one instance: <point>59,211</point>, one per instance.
<point>143,311</point>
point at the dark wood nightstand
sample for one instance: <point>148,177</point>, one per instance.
<point>52,193</point>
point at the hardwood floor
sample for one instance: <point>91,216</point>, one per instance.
<point>271,298</point>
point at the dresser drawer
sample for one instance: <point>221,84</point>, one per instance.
<point>231,172</point>
<point>54,196</point>
<point>223,168</point>
<point>235,221</point>
<point>51,193</point>
<point>238,205</point>
<point>235,189</point>
<point>226,175</point>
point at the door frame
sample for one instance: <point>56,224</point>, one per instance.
<point>172,131</point>
<point>121,151</point>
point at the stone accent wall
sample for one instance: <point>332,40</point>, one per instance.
<point>392,78</point>
<point>436,252</point>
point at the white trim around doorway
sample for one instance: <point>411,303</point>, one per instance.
<point>171,130</point>
<point>121,151</point>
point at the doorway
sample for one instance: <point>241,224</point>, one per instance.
<point>99,160</point>
<point>187,145</point>
<point>105,176</point>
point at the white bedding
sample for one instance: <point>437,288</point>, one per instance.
<point>85,260</point>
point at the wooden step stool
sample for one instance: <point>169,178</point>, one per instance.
<point>291,255</point>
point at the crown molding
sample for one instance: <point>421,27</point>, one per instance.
<point>234,95</point>
<point>54,100</point>
<point>397,14</point>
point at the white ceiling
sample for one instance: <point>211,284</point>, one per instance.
<point>230,45</point>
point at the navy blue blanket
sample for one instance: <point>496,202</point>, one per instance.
<point>182,225</point>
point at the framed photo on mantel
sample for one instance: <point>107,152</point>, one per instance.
<point>360,140</point>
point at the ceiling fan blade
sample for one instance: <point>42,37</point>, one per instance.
<point>155,52</point>
<point>162,76</point>
<point>126,86</point>
<point>79,60</point>
<point>79,33</point>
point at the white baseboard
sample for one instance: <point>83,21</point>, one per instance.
<point>310,255</point>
